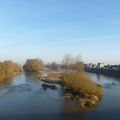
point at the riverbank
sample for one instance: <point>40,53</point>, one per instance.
<point>113,73</point>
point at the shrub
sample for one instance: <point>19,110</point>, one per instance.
<point>80,82</point>
<point>7,68</point>
<point>33,65</point>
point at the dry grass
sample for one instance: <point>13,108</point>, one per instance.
<point>51,76</point>
<point>79,81</point>
<point>54,74</point>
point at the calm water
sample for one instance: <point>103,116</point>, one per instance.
<point>22,98</point>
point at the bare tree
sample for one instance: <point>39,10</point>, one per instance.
<point>70,62</point>
<point>55,66</point>
<point>67,61</point>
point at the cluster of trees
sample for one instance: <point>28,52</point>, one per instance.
<point>33,65</point>
<point>7,68</point>
<point>53,66</point>
<point>70,62</point>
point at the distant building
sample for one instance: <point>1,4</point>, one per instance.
<point>115,67</point>
<point>107,67</point>
<point>94,66</point>
<point>100,65</point>
<point>90,65</point>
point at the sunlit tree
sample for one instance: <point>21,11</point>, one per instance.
<point>33,65</point>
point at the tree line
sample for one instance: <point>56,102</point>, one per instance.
<point>69,62</point>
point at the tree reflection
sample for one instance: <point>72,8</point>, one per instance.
<point>31,75</point>
<point>6,81</point>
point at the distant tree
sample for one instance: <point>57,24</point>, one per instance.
<point>72,62</point>
<point>17,68</point>
<point>48,65</point>
<point>33,65</point>
<point>7,68</point>
<point>55,66</point>
<point>2,71</point>
<point>67,61</point>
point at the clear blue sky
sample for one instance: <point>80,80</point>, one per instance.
<point>50,28</point>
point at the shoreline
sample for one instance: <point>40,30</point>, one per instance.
<point>113,73</point>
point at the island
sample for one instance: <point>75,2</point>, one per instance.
<point>77,85</point>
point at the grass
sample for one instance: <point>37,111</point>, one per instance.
<point>79,81</point>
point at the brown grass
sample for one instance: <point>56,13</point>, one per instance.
<point>54,74</point>
<point>79,81</point>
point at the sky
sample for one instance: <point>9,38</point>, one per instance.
<point>48,29</point>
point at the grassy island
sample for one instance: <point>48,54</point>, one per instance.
<point>79,81</point>
<point>80,87</point>
<point>77,84</point>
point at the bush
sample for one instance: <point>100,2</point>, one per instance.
<point>33,65</point>
<point>7,68</point>
<point>78,81</point>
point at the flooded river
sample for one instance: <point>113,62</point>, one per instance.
<point>23,98</point>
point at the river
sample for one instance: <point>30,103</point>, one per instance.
<point>23,98</point>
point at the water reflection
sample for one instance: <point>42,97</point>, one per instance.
<point>71,106</point>
<point>6,81</point>
<point>23,95</point>
<point>105,80</point>
<point>31,75</point>
<point>99,77</point>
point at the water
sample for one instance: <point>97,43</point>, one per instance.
<point>23,98</point>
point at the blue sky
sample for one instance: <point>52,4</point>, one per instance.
<point>49,28</point>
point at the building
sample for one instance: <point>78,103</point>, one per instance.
<point>100,65</point>
<point>115,67</point>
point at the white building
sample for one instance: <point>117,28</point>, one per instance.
<point>100,65</point>
<point>90,65</point>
